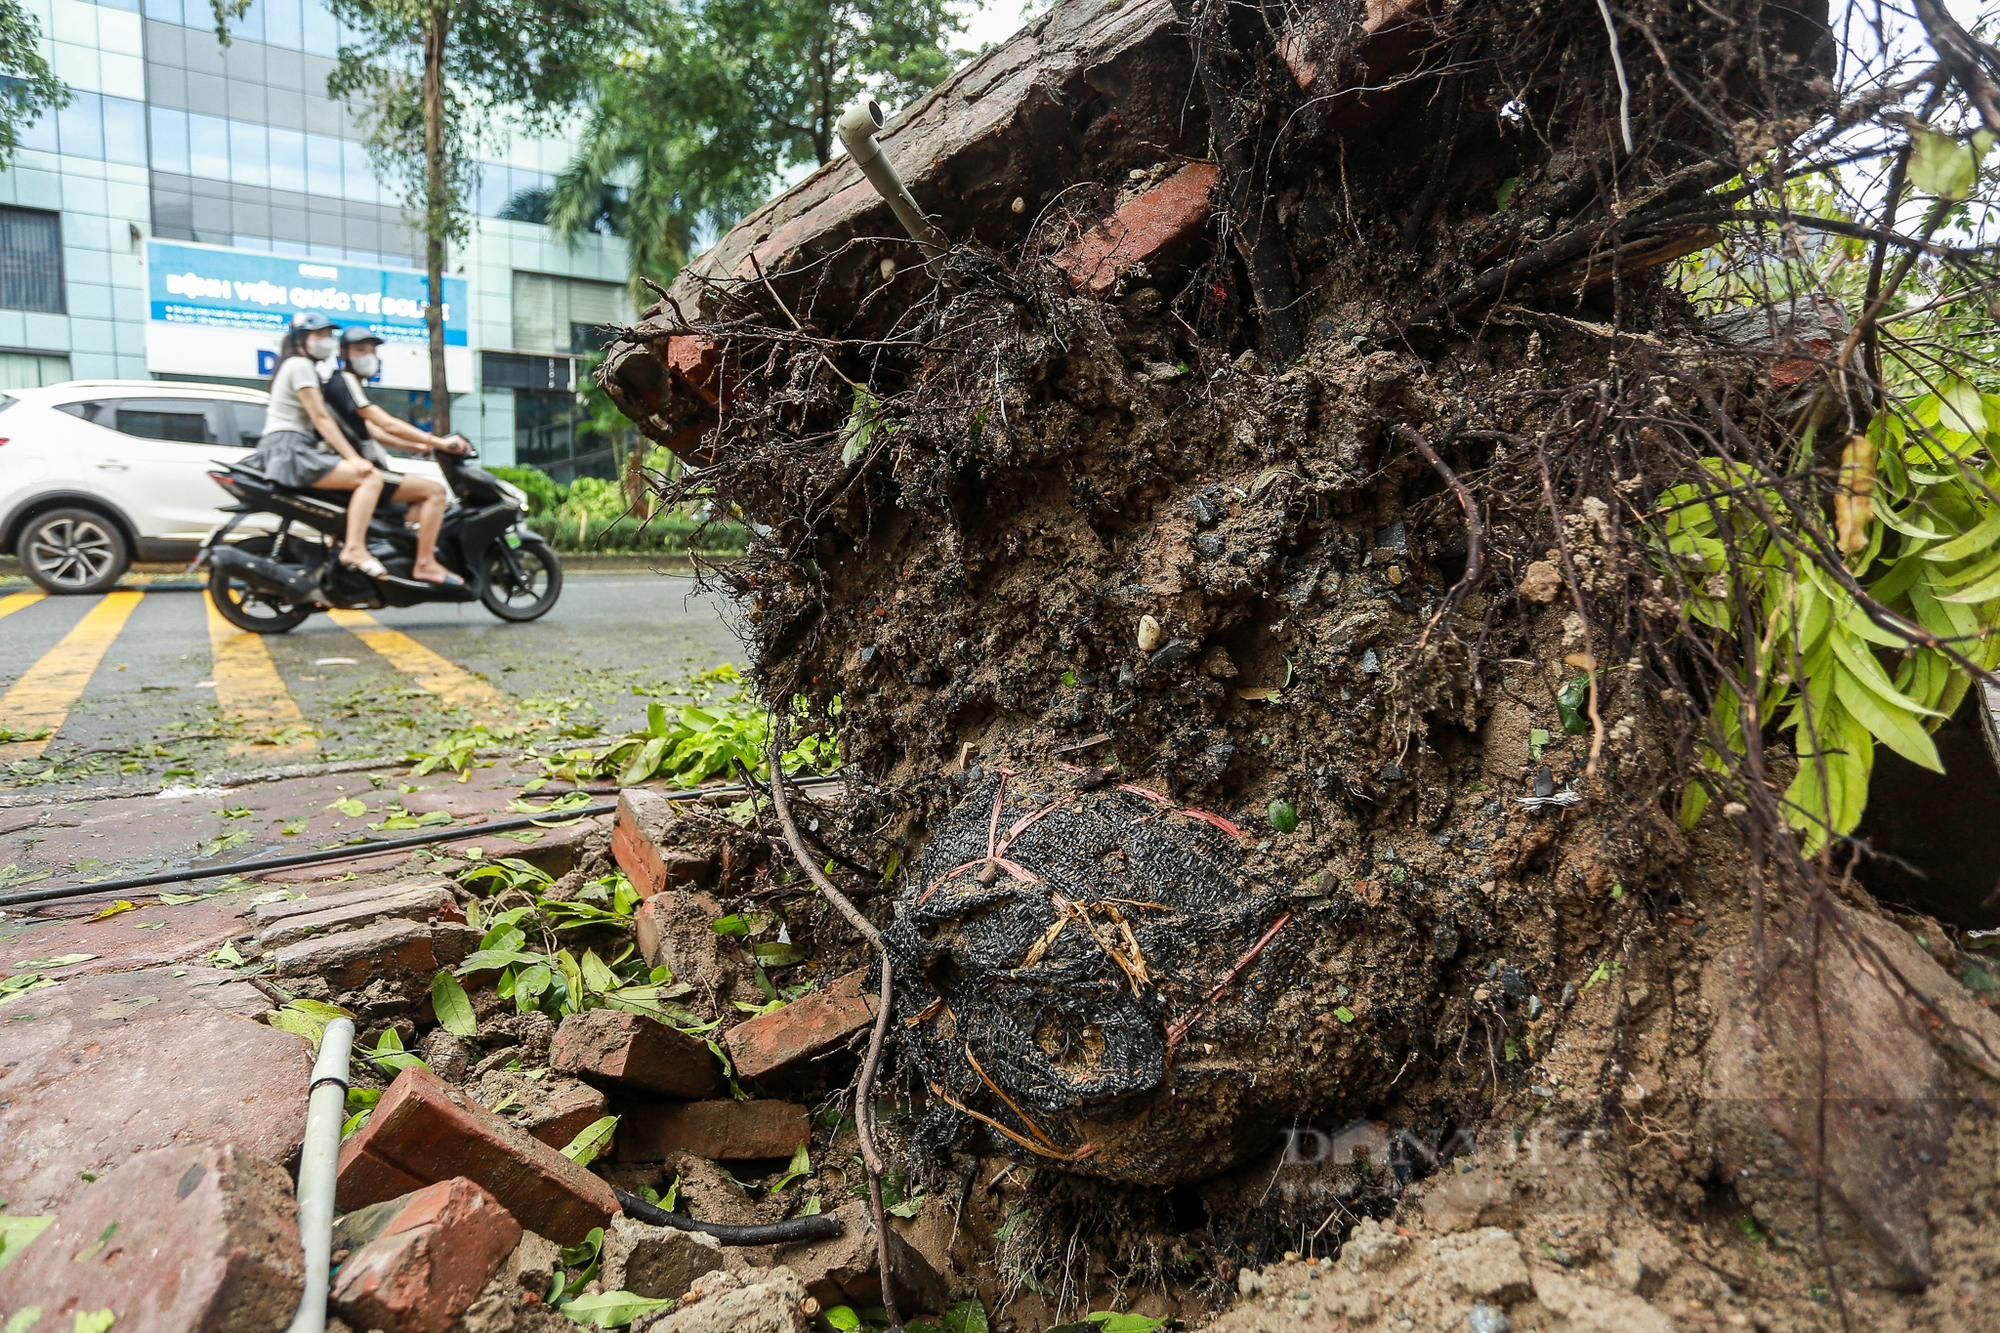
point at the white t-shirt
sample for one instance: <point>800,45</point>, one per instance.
<point>286,412</point>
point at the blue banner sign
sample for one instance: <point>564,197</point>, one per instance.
<point>219,288</point>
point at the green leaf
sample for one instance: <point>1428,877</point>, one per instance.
<point>777,955</point>
<point>350,807</point>
<point>1976,979</point>
<point>968,1316</point>
<point>591,1141</point>
<point>1344,1014</point>
<point>452,1006</point>
<point>842,1317</point>
<point>56,960</point>
<point>1943,166</point>
<point>1895,728</point>
<point>1284,816</point>
<point>98,1321</point>
<point>907,1208</point>
<point>1504,193</point>
<point>1124,1323</point>
<point>1538,740</point>
<point>1858,660</point>
<point>23,1319</point>
<point>597,978</point>
<point>1570,702</point>
<point>613,1309</point>
<point>16,1233</point>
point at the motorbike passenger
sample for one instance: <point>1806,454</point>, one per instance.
<point>303,446</point>
<point>369,427</point>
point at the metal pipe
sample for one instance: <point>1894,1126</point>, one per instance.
<point>355,850</point>
<point>326,1109</point>
<point>857,130</point>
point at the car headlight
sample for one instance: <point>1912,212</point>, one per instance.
<point>515,495</point>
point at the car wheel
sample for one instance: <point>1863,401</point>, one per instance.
<point>73,551</point>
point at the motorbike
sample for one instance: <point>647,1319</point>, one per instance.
<point>269,583</point>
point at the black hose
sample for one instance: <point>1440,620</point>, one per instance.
<point>820,1226</point>
<point>354,850</point>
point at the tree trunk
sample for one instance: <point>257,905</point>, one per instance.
<point>437,23</point>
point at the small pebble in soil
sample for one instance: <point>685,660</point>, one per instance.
<point>1486,1318</point>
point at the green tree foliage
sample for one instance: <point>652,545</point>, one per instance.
<point>710,102</point>
<point>28,89</point>
<point>435,80</point>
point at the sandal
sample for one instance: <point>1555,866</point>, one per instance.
<point>450,580</point>
<point>371,567</point>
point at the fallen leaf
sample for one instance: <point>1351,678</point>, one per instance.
<point>57,960</point>
<point>591,1140</point>
<point>122,905</point>
<point>452,1006</point>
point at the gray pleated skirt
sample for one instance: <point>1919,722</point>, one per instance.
<point>293,458</point>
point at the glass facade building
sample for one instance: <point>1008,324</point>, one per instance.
<point>171,135</point>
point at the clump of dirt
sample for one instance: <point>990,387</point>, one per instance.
<point>1368,646</point>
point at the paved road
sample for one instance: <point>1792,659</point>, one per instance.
<point>147,681</point>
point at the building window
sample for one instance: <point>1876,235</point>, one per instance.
<point>551,313</point>
<point>31,260</point>
<point>32,370</point>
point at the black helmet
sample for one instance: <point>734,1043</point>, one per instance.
<point>311,321</point>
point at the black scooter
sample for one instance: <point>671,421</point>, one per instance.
<point>269,583</point>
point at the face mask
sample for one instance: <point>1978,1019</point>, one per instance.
<point>364,365</point>
<point>319,349</point>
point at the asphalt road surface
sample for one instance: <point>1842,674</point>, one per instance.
<point>147,683</point>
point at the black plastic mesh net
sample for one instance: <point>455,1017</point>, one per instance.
<point>1062,966</point>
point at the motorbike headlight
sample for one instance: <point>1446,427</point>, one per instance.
<point>515,495</point>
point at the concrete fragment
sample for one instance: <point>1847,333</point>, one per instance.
<point>1485,1265</point>
<point>656,1261</point>
<point>615,1049</point>
<point>641,847</point>
<point>191,1237</point>
<point>424,1131</point>
<point>1643,1259</point>
<point>774,1303</point>
<point>802,1029</point>
<point>847,1270</point>
<point>352,959</point>
<point>1593,1309</point>
<point>267,915</point>
<point>719,1130</point>
<point>1145,231</point>
<point>88,1104</point>
<point>416,905</point>
<point>417,1262</point>
<point>1372,1246</point>
<point>551,1108</point>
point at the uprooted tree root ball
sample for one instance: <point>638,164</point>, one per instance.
<point>1281,666</point>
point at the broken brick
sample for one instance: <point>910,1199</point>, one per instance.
<point>801,1029</point>
<point>188,1237</point>
<point>350,960</point>
<point>424,1131</point>
<point>419,903</point>
<point>719,1131</point>
<point>1144,230</point>
<point>638,845</point>
<point>415,1263</point>
<point>551,1108</point>
<point>268,914</point>
<point>615,1049</point>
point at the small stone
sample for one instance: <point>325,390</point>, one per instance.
<point>1542,583</point>
<point>1372,1246</point>
<point>1206,511</point>
<point>1392,772</point>
<point>1019,205</point>
<point>1513,982</point>
<point>1151,635</point>
<point>447,1055</point>
<point>1485,1318</point>
<point>1209,545</point>
<point>1535,1007</point>
<point>1545,782</point>
<point>1176,651</point>
<point>1371,663</point>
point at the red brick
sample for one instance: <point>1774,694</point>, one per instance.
<point>637,833</point>
<point>89,1103</point>
<point>353,958</point>
<point>801,1029</point>
<point>697,361</point>
<point>615,1049</point>
<point>720,1131</point>
<point>206,1238</point>
<point>424,1130</point>
<point>415,1263</point>
<point>1143,230</point>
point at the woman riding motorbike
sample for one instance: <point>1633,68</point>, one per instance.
<point>289,453</point>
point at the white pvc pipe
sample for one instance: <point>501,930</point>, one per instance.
<point>326,1110</point>
<point>857,130</point>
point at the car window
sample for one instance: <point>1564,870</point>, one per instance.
<point>176,420</point>
<point>248,427</point>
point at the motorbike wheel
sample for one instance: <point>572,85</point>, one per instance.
<point>245,607</point>
<point>525,593</point>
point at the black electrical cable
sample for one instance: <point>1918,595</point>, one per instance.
<point>819,1226</point>
<point>354,850</point>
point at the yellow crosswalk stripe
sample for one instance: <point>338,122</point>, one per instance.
<point>250,691</point>
<point>42,697</point>
<point>20,601</point>
<point>451,683</point>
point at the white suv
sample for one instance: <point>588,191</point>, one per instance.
<point>95,474</point>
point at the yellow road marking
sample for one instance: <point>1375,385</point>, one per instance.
<point>249,690</point>
<point>20,601</point>
<point>451,683</point>
<point>42,697</point>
